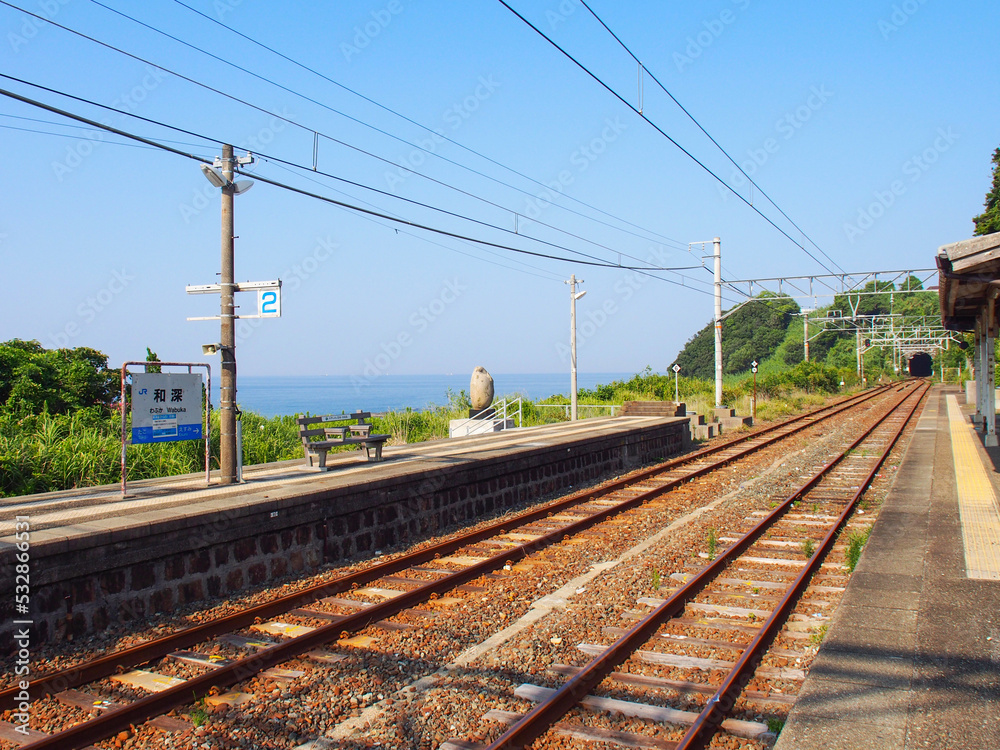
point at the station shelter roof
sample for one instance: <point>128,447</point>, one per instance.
<point>966,271</point>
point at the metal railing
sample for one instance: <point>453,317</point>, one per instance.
<point>504,410</point>
<point>566,407</point>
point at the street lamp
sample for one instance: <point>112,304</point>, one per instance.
<point>228,443</point>
<point>573,297</point>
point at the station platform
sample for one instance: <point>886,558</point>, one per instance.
<point>99,558</point>
<point>912,655</point>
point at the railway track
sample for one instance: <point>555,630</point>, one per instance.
<point>718,595</point>
<point>253,642</point>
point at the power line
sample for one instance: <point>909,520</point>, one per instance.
<point>354,119</point>
<point>325,199</point>
<point>552,276</point>
<point>285,119</point>
<point>376,190</point>
<point>662,132</point>
<point>68,135</point>
<point>707,134</point>
<point>443,232</point>
<point>83,127</point>
<point>350,182</point>
<point>441,135</point>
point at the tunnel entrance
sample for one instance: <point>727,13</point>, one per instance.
<point>921,365</point>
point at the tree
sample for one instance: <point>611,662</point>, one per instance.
<point>151,356</point>
<point>989,220</point>
<point>34,379</point>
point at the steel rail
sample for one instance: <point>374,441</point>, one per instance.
<point>722,702</point>
<point>116,720</point>
<point>120,719</point>
<point>541,717</point>
<point>104,666</point>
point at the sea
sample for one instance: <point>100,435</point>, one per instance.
<point>332,394</point>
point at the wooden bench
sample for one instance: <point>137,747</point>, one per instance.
<point>359,433</point>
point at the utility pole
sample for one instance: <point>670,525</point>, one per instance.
<point>573,297</point>
<point>857,349</point>
<point>805,334</point>
<point>227,395</point>
<point>718,320</point>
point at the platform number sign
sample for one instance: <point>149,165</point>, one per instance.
<point>166,407</point>
<point>269,303</point>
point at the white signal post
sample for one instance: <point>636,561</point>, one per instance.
<point>573,297</point>
<point>717,255</point>
<point>717,322</point>
<point>677,390</point>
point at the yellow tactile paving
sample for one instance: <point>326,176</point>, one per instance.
<point>977,502</point>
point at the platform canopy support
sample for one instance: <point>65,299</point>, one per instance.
<point>969,284</point>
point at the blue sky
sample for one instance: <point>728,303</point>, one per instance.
<point>871,125</point>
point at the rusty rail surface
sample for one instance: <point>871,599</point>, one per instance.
<point>160,647</point>
<point>134,713</point>
<point>540,719</point>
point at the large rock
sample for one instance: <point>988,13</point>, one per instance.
<point>481,389</point>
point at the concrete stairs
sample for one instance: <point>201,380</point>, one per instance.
<point>723,420</point>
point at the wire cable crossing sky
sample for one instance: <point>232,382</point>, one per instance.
<point>414,156</point>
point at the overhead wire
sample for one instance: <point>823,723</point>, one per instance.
<point>69,135</point>
<point>552,276</point>
<point>325,199</point>
<point>274,114</point>
<point>368,125</point>
<point>437,134</point>
<point>693,119</point>
<point>373,189</point>
<point>662,132</point>
<point>84,127</point>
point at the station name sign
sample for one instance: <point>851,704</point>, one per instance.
<point>166,407</point>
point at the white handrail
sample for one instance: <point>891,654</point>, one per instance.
<point>581,406</point>
<point>502,411</point>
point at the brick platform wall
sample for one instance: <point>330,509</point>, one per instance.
<point>82,584</point>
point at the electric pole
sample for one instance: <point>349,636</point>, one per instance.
<point>227,388</point>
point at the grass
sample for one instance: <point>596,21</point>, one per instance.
<point>199,714</point>
<point>817,637</point>
<point>656,579</point>
<point>808,548</point>
<point>774,726</point>
<point>713,542</point>
<point>48,452</point>
<point>855,544</point>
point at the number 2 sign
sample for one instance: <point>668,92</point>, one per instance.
<point>269,303</point>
